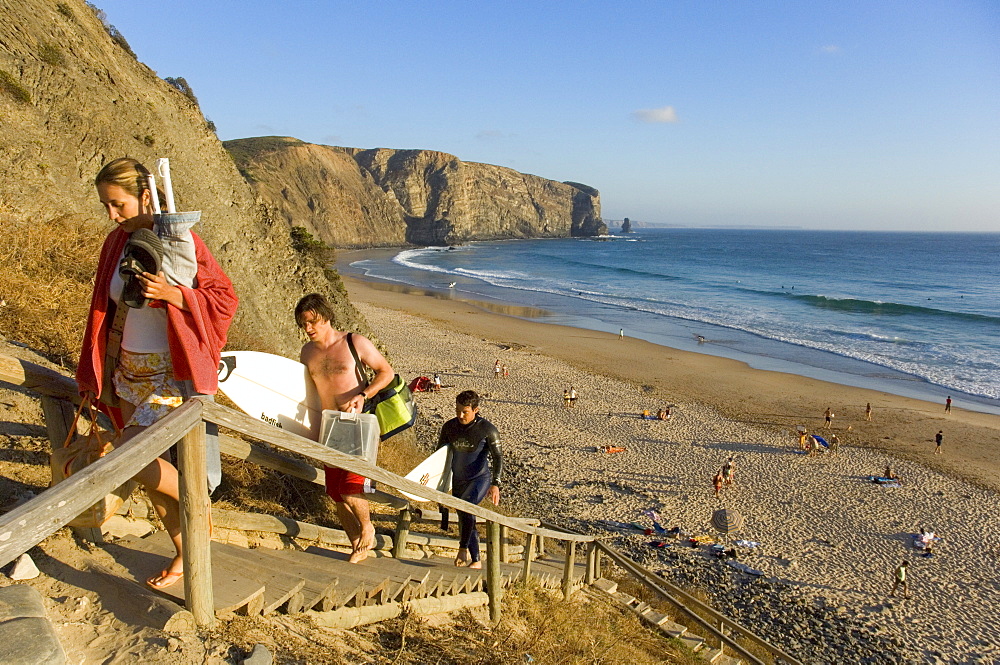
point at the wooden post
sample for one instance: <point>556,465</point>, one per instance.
<point>568,569</point>
<point>529,554</point>
<point>504,544</point>
<point>195,526</point>
<point>541,547</point>
<point>58,415</point>
<point>597,560</point>
<point>591,561</point>
<point>58,419</point>
<point>402,533</point>
<point>493,572</point>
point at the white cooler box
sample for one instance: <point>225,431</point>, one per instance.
<point>355,434</point>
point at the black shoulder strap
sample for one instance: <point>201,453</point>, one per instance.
<point>362,376</point>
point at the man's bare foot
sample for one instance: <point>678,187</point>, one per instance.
<point>358,556</point>
<point>364,544</point>
<point>476,565</point>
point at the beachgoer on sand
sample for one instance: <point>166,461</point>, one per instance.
<point>729,470</point>
<point>436,383</point>
<point>497,369</point>
<point>947,405</point>
<point>938,438</point>
<point>899,579</point>
<point>505,371</point>
<point>621,334</point>
<point>476,467</point>
<point>828,416</point>
<point>169,344</point>
<point>868,411</point>
<point>834,444</point>
<point>572,396</point>
<point>566,398</point>
<point>717,481</point>
<point>341,386</point>
<point>663,414</point>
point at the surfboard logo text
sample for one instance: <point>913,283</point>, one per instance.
<point>271,421</point>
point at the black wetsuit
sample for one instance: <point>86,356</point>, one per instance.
<point>474,449</point>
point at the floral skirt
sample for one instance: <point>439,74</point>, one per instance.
<point>146,380</point>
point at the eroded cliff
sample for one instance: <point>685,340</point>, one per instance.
<point>385,197</point>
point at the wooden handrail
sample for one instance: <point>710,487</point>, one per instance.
<point>36,378</point>
<point>35,520</point>
<point>250,426</point>
<point>680,599</point>
<point>671,593</point>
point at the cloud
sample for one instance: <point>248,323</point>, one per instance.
<point>662,115</point>
<point>830,48</point>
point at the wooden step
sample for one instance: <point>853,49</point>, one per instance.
<point>232,590</point>
<point>692,642</point>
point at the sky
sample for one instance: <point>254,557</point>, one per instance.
<point>836,115</point>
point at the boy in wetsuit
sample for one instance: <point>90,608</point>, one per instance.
<point>474,448</point>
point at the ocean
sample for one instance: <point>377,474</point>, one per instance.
<point>913,314</point>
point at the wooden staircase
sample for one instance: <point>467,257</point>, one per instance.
<point>261,581</point>
<point>661,622</point>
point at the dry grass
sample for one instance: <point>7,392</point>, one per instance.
<point>537,627</point>
<point>46,280</point>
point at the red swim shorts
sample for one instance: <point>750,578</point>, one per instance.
<point>340,482</point>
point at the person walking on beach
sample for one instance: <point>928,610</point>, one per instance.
<point>828,415</point>
<point>717,481</point>
<point>341,385</point>
<point>621,334</point>
<point>566,399</point>
<point>729,470</point>
<point>899,579</point>
<point>947,405</point>
<point>476,467</point>
<point>572,396</point>
<point>834,444</point>
<point>497,369</point>
<point>938,438</point>
<point>505,372</point>
<point>868,411</point>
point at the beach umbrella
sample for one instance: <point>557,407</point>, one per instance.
<point>727,521</point>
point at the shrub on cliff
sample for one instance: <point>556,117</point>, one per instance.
<point>13,87</point>
<point>46,279</point>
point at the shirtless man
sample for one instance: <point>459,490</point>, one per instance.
<point>340,386</point>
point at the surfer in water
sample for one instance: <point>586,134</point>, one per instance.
<point>476,465</point>
<point>342,386</point>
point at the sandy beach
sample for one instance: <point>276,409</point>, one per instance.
<point>827,537</point>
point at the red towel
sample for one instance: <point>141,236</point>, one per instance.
<point>196,337</point>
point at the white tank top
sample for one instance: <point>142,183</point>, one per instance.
<point>146,327</point>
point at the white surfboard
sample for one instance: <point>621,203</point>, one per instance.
<point>433,467</point>
<point>272,388</point>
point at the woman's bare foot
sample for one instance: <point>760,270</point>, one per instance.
<point>476,565</point>
<point>168,576</point>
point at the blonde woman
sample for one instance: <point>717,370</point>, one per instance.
<point>170,345</point>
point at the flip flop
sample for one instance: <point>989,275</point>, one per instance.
<point>143,253</point>
<point>165,579</point>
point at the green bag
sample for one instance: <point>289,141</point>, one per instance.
<point>393,406</point>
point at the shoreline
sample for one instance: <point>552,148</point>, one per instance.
<point>678,334</point>
<point>903,426</point>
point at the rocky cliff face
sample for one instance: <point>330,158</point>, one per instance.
<point>386,197</point>
<point>72,99</point>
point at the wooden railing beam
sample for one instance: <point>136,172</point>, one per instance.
<point>33,521</point>
<point>250,426</point>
